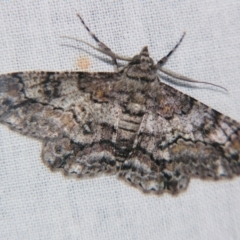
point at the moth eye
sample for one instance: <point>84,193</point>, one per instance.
<point>135,60</point>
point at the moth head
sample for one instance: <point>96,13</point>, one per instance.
<point>142,66</point>
<point>143,60</point>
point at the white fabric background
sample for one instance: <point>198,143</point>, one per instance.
<point>38,204</point>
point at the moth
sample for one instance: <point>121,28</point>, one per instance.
<point>126,123</point>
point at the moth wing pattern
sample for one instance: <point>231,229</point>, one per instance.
<point>126,123</point>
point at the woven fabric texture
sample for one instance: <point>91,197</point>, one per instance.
<point>38,204</point>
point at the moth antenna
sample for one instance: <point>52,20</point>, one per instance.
<point>184,78</point>
<point>105,49</point>
<point>162,61</point>
<point>89,31</point>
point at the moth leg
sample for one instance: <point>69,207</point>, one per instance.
<point>162,61</point>
<point>184,78</point>
<point>104,47</point>
<point>128,59</point>
<point>170,73</point>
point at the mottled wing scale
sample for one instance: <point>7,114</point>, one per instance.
<point>126,123</point>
